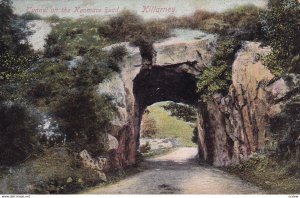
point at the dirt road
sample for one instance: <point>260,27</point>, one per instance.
<point>178,173</point>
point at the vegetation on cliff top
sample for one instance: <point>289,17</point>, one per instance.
<point>281,27</point>
<point>218,77</point>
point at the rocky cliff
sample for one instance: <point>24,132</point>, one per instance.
<point>169,74</point>
<point>259,114</point>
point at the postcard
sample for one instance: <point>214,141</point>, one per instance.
<point>148,97</point>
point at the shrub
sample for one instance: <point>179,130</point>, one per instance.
<point>280,24</point>
<point>145,148</point>
<point>18,131</point>
<point>53,47</point>
<point>243,21</point>
<point>118,53</point>
<point>53,18</point>
<point>82,115</point>
<point>122,27</point>
<point>239,22</point>
<point>148,127</point>
<point>129,27</point>
<point>217,78</point>
<point>181,111</point>
<point>30,16</point>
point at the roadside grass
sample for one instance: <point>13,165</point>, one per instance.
<point>276,177</point>
<point>57,171</point>
<point>117,177</point>
<point>171,127</point>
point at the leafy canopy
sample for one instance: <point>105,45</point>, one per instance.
<point>281,27</point>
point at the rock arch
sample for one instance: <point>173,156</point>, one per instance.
<point>171,76</point>
<point>230,128</point>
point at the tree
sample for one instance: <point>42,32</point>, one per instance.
<point>16,58</point>
<point>181,111</point>
<point>281,27</point>
<point>83,115</point>
<point>18,131</point>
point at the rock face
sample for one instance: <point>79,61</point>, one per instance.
<point>231,128</point>
<point>170,76</point>
<point>98,164</point>
<point>235,127</point>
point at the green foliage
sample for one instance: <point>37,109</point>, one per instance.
<point>269,173</point>
<point>15,67</point>
<point>12,37</point>
<point>70,96</point>
<point>53,18</point>
<point>30,16</point>
<point>16,57</point>
<point>71,38</point>
<point>145,148</point>
<point>169,126</point>
<point>118,53</point>
<point>18,131</point>
<point>84,118</point>
<point>127,26</point>
<point>240,22</point>
<point>281,27</point>
<point>217,78</point>
<point>6,16</point>
<point>149,126</point>
<point>181,111</point>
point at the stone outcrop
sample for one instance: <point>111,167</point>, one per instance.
<point>231,128</point>
<point>98,164</point>
<point>170,76</point>
<point>241,124</point>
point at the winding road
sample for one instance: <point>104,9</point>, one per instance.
<point>178,173</point>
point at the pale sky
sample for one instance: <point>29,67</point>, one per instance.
<point>146,8</point>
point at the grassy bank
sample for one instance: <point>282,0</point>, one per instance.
<point>267,172</point>
<point>169,126</point>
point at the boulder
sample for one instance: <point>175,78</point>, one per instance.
<point>93,163</point>
<point>112,142</point>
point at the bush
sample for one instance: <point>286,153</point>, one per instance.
<point>19,133</point>
<point>243,22</point>
<point>217,78</point>
<point>30,16</point>
<point>148,126</point>
<point>145,148</point>
<point>239,22</point>
<point>129,27</point>
<point>280,24</point>
<point>53,48</point>
<point>118,53</point>
<point>82,115</point>
<point>181,111</point>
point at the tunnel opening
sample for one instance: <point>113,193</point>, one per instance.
<point>166,126</point>
<point>164,84</point>
<point>155,87</point>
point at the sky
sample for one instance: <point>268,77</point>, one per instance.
<point>147,8</point>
